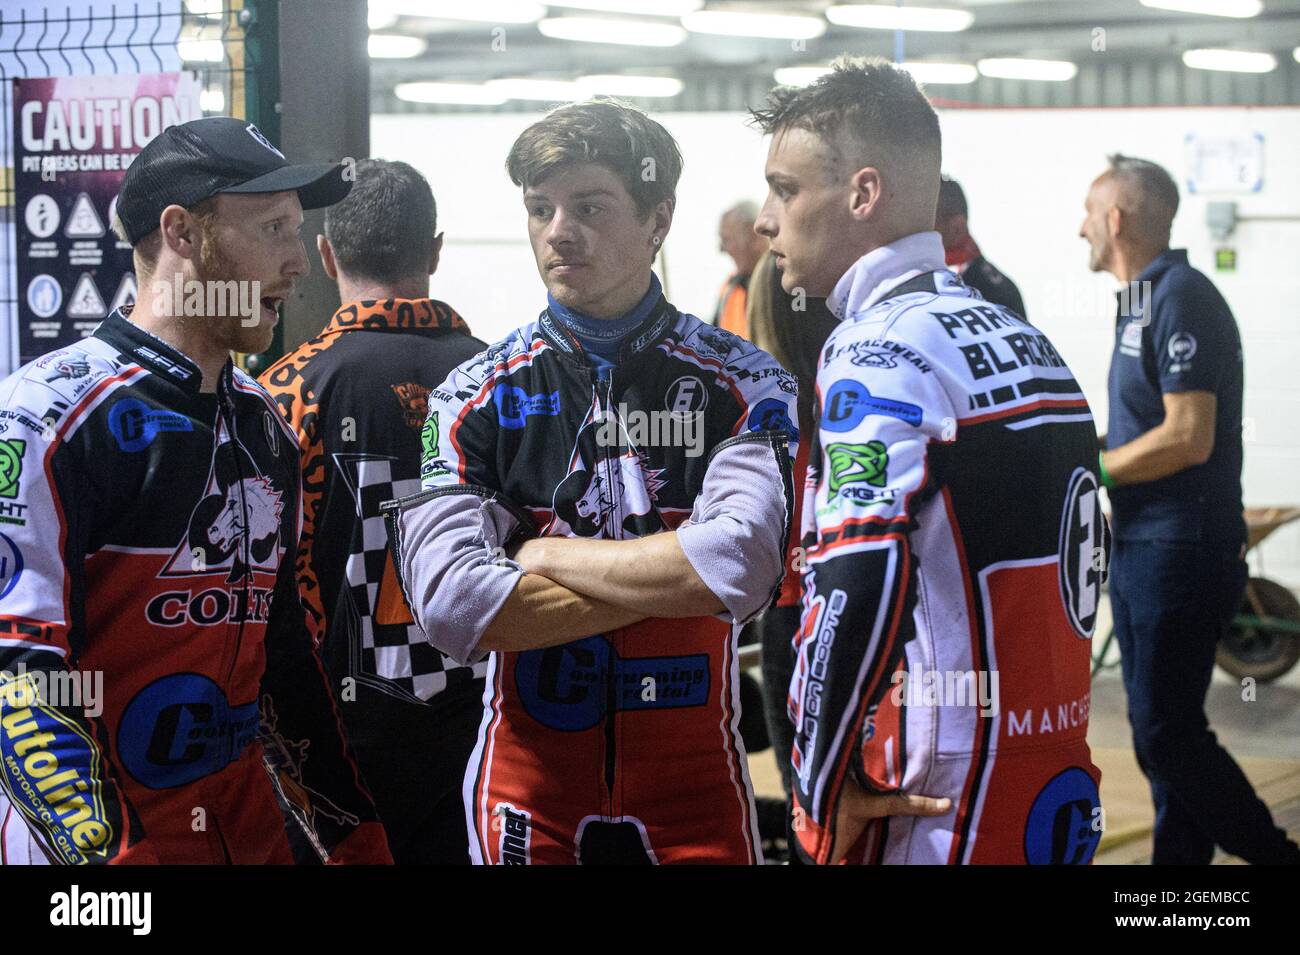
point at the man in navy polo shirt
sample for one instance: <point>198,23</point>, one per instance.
<point>1173,467</point>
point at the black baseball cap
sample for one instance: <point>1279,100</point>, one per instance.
<point>185,164</point>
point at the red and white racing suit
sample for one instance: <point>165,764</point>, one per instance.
<point>158,684</point>
<point>952,586</point>
<point>622,746</point>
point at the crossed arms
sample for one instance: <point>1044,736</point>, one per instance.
<point>475,588</point>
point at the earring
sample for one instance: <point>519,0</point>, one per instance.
<point>654,240</point>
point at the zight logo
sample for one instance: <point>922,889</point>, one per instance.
<point>103,908</point>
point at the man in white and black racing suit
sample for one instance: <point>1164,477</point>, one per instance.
<point>957,546</point>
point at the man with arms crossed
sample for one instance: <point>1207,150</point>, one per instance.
<point>644,454</point>
<point>940,693</point>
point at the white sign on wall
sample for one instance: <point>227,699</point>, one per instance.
<point>1218,163</point>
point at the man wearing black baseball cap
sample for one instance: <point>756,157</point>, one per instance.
<point>212,200</point>
<point>151,505</point>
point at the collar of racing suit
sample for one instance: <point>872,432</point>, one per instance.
<point>152,352</point>
<point>395,315</point>
<point>659,316</point>
<point>878,272</point>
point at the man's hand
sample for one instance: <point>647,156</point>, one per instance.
<point>858,807</point>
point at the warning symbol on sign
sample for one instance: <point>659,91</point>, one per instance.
<point>42,216</point>
<point>125,294</point>
<point>83,221</point>
<point>85,301</point>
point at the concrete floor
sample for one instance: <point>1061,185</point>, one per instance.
<point>1262,734</point>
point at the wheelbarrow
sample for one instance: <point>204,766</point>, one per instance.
<point>1263,640</point>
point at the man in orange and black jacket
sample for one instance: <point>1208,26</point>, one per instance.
<point>357,396</point>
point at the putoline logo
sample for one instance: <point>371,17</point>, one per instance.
<point>1079,552</point>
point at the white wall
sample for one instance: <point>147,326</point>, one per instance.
<point>1025,173</point>
<point>488,270</point>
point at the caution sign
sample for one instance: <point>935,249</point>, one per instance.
<point>125,293</point>
<point>86,302</point>
<point>83,221</point>
<point>73,139</point>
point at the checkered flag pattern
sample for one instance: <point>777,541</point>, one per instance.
<point>394,658</point>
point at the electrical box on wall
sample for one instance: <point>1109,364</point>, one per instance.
<point>1221,217</point>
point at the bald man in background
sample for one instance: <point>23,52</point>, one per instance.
<point>1173,466</point>
<point>737,238</point>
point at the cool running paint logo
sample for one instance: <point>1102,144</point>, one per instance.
<point>848,402</point>
<point>772,414</point>
<point>514,405</point>
<point>181,728</point>
<point>564,687</point>
<point>134,425</point>
<point>1062,828</point>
